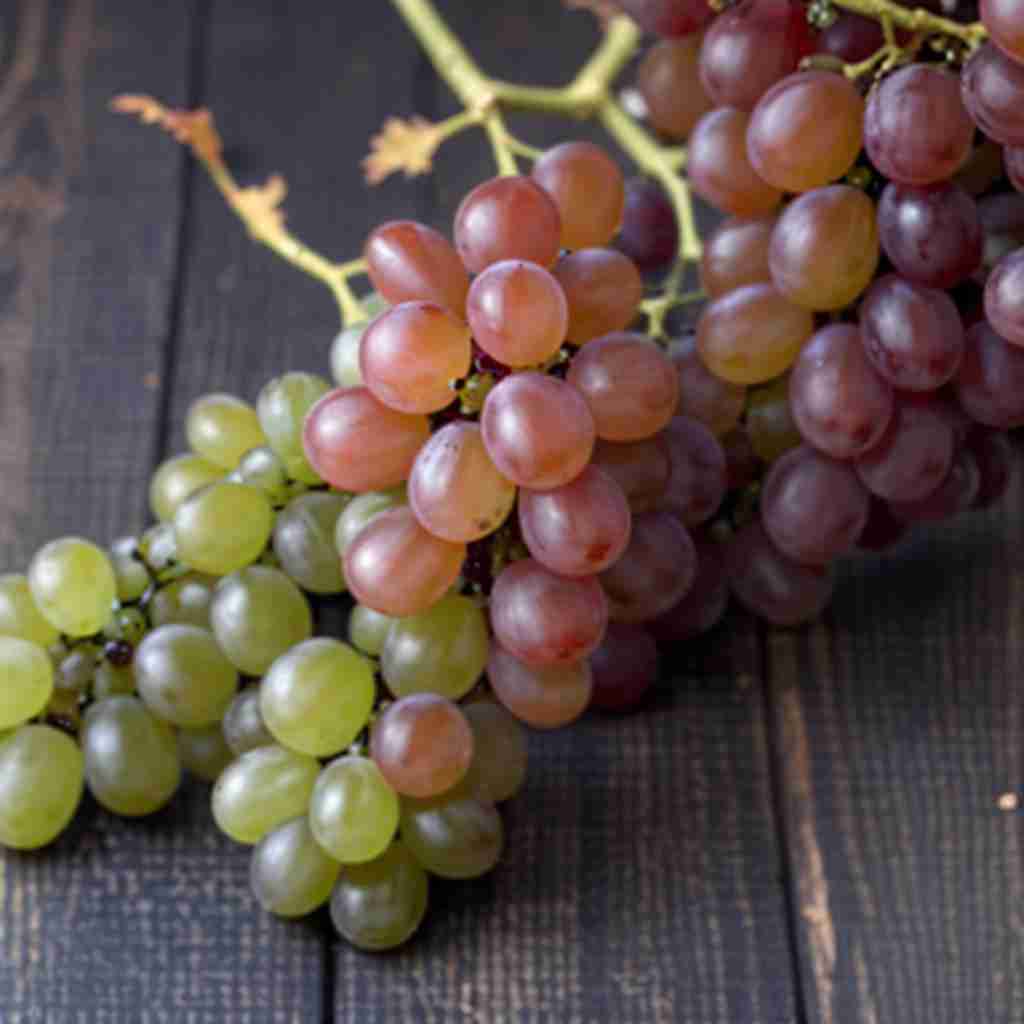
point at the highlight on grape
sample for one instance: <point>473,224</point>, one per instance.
<point>527,481</point>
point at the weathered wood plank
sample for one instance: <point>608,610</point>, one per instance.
<point>899,728</point>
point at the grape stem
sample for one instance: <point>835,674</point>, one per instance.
<point>916,21</point>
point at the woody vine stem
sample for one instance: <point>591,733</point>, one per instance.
<point>588,95</point>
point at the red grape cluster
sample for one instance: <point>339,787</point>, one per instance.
<point>864,335</point>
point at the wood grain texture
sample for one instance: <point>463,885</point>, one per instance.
<point>899,727</point>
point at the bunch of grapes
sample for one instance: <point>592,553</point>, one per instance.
<point>862,349</point>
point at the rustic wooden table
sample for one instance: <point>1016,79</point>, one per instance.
<point>804,826</point>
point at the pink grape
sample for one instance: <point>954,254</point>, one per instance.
<point>577,529</point>
<point>629,384</point>
<point>538,430</point>
<point>546,697</point>
<point>640,468</point>
<point>396,568</point>
<point>356,443</point>
<point>455,490</point>
<point>1004,20</point>
<point>698,477</point>
<point>954,495</point>
<point>1004,298</point>
<point>992,86</point>
<point>702,396</point>
<point>990,384</point>
<point>545,619</point>
<point>703,605</point>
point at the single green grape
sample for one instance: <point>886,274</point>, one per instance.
<point>128,624</point>
<point>344,358</point>
<point>353,811</point>
<point>41,782</point>
<point>380,904</point>
<point>26,680</point>
<point>132,765</point>
<point>130,574</point>
<point>244,728</point>
<point>223,528</point>
<point>222,428</point>
<point>261,468</point>
<point>282,406</point>
<point>360,510</point>
<point>318,697</point>
<point>183,676</point>
<point>368,629</point>
<point>453,836</point>
<point>77,669</point>
<point>159,547</point>
<point>442,650</point>
<point>186,600</point>
<point>304,541</point>
<point>257,614</point>
<point>111,680</point>
<point>19,615</point>
<point>498,769</point>
<point>261,790</point>
<point>73,585</point>
<point>289,873</point>
<point>204,752</point>
<point>179,478</point>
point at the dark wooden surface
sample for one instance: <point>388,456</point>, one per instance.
<point>803,827</point>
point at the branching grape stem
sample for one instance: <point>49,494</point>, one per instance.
<point>916,21</point>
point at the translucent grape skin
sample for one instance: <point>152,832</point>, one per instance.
<point>290,874</point>
<point>813,508</point>
<point>223,528</point>
<point>669,17</point>
<point>587,187</point>
<point>507,218</point>
<point>913,455</point>
<point>422,745</point>
<point>442,650</point>
<point>840,403</point>
<point>542,697</point>
<point>578,529</point>
<point>656,571</point>
<point>41,782</point>
<point>544,619</point>
<point>805,131</point>
<point>455,490</point>
<point>243,725</point>
<point>518,313</point>
<point>282,406</point>
<point>1004,298</point>
<point>73,586</point>
<point>26,680</point>
<point>204,752</point>
<point>176,479</point>
<point>378,905</point>
<point>954,495</point>
<point>360,511</point>
<point>640,468</point>
<point>735,254</point>
<point>698,475</point>
<point>396,567</point>
<point>222,428</point>
<point>916,129</point>
<point>669,81</point>
<point>263,469</point>
<point>368,630</point>
<point>353,811</point>
<point>752,334</point>
<point>344,355</point>
<point>304,541</point>
<point>257,614</point>
<point>703,605</point>
<point>720,170</point>
<point>932,235</point>
<point>317,697</point>
<point>603,289</point>
<point>851,37</point>
<point>992,87</point>
<point>407,261</point>
<point>771,585</point>
<point>132,766</point>
<point>990,383</point>
<point>131,575</point>
<point>19,615</point>
<point>498,769</point>
<point>1002,18</point>
<point>263,789</point>
<point>749,47</point>
<point>629,384</point>
<point>649,235</point>
<point>356,443</point>
<point>186,600</point>
<point>538,430</point>
<point>702,396</point>
<point>771,429</point>
<point>183,677</point>
<point>824,248</point>
<point>624,667</point>
<point>453,836</point>
<point>410,355</point>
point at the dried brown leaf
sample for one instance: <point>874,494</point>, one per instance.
<point>192,128</point>
<point>407,146</point>
<point>260,205</point>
